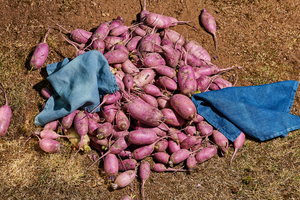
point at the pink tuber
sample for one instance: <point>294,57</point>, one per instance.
<point>5,116</point>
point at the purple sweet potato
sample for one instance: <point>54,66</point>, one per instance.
<point>191,162</point>
<point>153,59</point>
<point>152,90</point>
<point>237,144</point>
<point>108,99</point>
<point>172,118</point>
<point>176,22</point>
<point>81,127</point>
<point>165,71</point>
<point>127,164</point>
<point>144,112</point>
<point>122,121</point>
<point>183,106</point>
<point>50,134</point>
<point>159,132</point>
<point>116,56</point>
<point>158,21</point>
<point>179,156</point>
<point>147,28</point>
<point>144,12</point>
<point>209,24</point>
<point>149,43</point>
<point>128,81</point>
<point>120,83</point>
<point>49,145</point>
<point>125,154</point>
<point>204,128</point>
<point>116,133</point>
<point>222,83</point>
<point>111,98</point>
<point>103,142</point>
<point>144,151</point>
<point>165,41</point>
<point>193,48</point>
<point>98,45</point>
<point>163,102</point>
<point>206,154</point>
<point>40,54</point>
<point>203,83</point>
<point>124,179</point>
<point>108,112</point>
<point>101,32</point>
<point>181,136</point>
<point>78,35</point>
<point>133,43</point>
<point>110,41</point>
<point>198,118</point>
<point>190,130</point>
<point>145,76</point>
<point>192,60</point>
<point>135,59</point>
<point>144,173</point>
<point>173,36</point>
<point>104,130</point>
<point>93,126</point>
<point>206,70</point>
<point>120,46</point>
<point>162,157</point>
<point>126,197</point>
<point>126,36</point>
<point>115,23</point>
<point>197,146</point>
<point>159,167</point>
<point>139,32</point>
<point>221,141</point>
<point>171,54</point>
<point>118,73</point>
<point>51,125</point>
<point>173,146</point>
<point>187,80</point>
<point>142,137</point>
<point>46,92</point>
<point>167,83</point>
<point>79,51</point>
<point>119,30</point>
<point>111,165</point>
<point>161,145</point>
<point>149,99</point>
<point>189,142</point>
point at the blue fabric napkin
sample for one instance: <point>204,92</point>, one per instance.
<point>261,112</point>
<point>78,84</point>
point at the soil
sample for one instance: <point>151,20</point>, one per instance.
<point>261,37</point>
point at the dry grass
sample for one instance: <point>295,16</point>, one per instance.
<point>260,36</point>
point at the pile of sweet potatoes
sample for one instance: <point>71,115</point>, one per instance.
<point>151,115</point>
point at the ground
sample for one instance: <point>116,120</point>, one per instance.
<point>262,37</point>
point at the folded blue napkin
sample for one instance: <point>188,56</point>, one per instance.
<point>261,112</point>
<point>78,84</point>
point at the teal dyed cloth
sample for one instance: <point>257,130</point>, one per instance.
<point>78,84</point>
